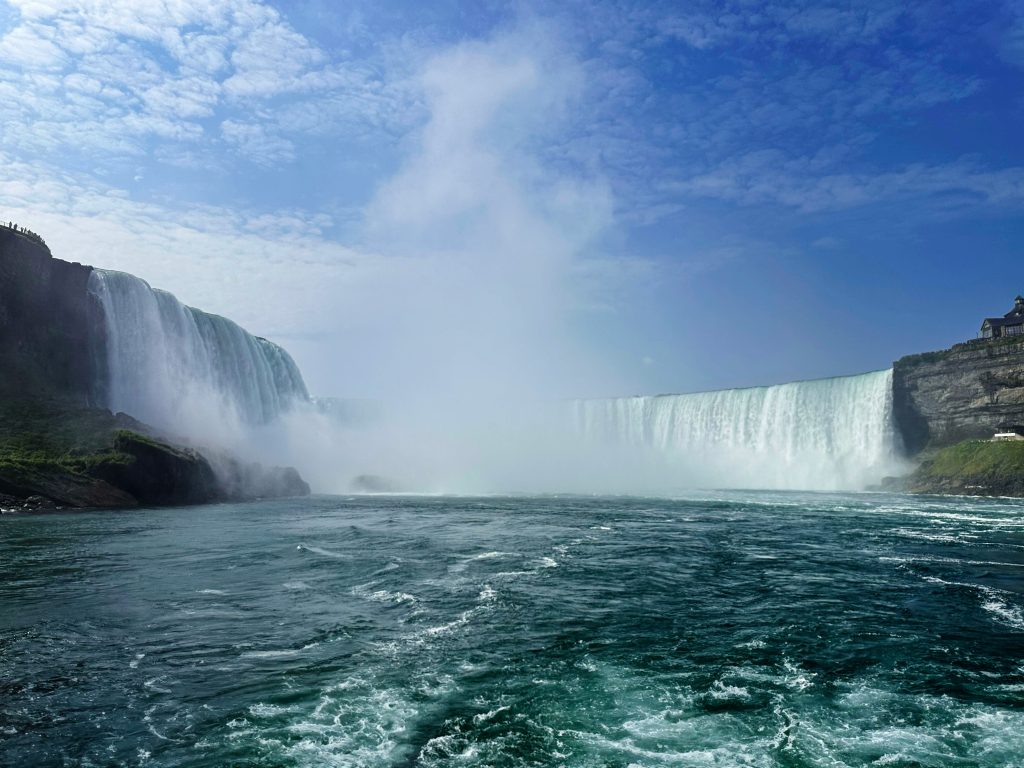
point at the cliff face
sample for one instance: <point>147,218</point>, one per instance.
<point>967,392</point>
<point>51,332</point>
<point>56,446</point>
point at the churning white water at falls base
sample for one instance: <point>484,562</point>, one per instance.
<point>179,368</point>
<point>823,434</point>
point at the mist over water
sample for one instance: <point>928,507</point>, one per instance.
<point>202,377</point>
<point>820,435</point>
<point>469,334</point>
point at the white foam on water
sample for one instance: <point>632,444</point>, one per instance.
<point>324,552</point>
<point>995,601</point>
<point>367,592</point>
<point>269,710</point>
<point>468,560</point>
<point>1007,614</point>
<point>487,594</point>
<point>444,629</point>
<point>797,678</point>
<point>723,692</point>
<point>151,684</point>
<point>357,722</point>
<point>756,643</point>
<point>946,560</point>
<point>483,717</point>
<point>283,653</point>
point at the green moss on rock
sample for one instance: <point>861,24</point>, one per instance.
<point>974,467</point>
<point>87,457</point>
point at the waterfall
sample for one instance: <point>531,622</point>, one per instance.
<point>825,434</point>
<point>181,369</point>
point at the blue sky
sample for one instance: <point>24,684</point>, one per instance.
<point>576,197</point>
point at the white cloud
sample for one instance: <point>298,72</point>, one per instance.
<point>105,76</point>
<point>255,142</point>
<point>772,177</point>
<point>471,262</point>
<point>265,271</point>
<point>490,238</point>
<point>29,49</point>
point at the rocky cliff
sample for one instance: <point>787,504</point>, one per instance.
<point>51,336</point>
<point>57,454</point>
<point>966,392</point>
<point>57,447</point>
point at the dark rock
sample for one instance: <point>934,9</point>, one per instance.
<point>373,484</point>
<point>88,457</point>
<point>890,484</point>
<point>51,327</point>
<point>46,484</point>
<point>242,480</point>
<point>55,447</point>
<point>156,473</point>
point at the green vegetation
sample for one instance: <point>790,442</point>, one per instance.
<point>943,354</point>
<point>975,467</point>
<point>924,357</point>
<point>53,433</point>
<point>60,451</point>
<point>63,454</point>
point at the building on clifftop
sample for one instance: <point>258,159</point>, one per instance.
<point>1010,324</point>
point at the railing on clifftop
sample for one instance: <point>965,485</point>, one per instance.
<point>27,233</point>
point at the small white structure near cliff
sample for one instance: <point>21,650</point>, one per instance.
<point>1008,433</point>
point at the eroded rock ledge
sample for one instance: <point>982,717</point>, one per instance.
<point>57,454</point>
<point>967,392</point>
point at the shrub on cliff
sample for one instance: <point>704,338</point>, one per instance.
<point>974,467</point>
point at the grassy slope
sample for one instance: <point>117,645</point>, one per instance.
<point>974,466</point>
<point>51,431</point>
<point>49,444</point>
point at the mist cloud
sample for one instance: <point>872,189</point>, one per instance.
<point>480,240</point>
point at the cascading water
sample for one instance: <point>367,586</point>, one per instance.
<point>200,375</point>
<point>176,368</point>
<point>825,434</point>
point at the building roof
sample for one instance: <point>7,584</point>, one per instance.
<point>1014,317</point>
<point>1002,322</point>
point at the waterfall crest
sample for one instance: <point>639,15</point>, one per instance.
<point>173,366</point>
<point>824,434</point>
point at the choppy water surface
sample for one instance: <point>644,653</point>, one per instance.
<point>740,630</point>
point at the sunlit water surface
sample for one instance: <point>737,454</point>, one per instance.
<point>734,630</point>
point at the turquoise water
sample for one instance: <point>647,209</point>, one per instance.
<point>734,630</point>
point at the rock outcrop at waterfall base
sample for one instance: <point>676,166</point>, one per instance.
<point>56,454</point>
<point>58,448</point>
<point>971,468</point>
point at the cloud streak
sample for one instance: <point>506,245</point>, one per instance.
<point>105,77</point>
